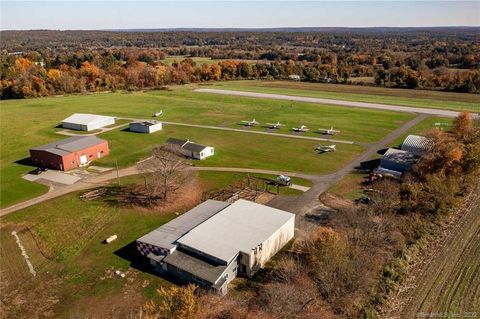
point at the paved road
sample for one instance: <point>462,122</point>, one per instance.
<point>308,201</point>
<point>377,106</point>
<point>104,178</point>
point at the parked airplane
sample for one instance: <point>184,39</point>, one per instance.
<point>275,125</point>
<point>330,131</point>
<point>250,123</point>
<point>158,113</point>
<point>302,128</point>
<point>326,148</point>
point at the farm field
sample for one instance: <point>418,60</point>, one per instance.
<point>63,238</point>
<point>182,105</point>
<point>200,60</point>
<point>414,98</point>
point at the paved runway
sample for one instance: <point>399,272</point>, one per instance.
<point>388,107</point>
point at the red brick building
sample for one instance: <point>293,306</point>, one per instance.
<point>69,153</point>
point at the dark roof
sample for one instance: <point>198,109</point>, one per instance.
<point>199,267</point>
<point>176,141</point>
<point>186,144</point>
<point>145,123</point>
<point>69,145</point>
<point>166,235</point>
<point>395,159</point>
<point>194,147</point>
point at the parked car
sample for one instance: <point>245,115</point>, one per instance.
<point>38,170</point>
<point>284,180</point>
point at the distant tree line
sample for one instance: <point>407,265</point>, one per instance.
<point>39,63</point>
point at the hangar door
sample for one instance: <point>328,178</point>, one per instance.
<point>83,159</point>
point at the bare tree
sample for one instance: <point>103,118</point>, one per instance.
<point>165,171</point>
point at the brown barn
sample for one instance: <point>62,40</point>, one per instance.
<point>69,153</point>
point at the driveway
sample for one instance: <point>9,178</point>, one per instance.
<point>377,106</point>
<point>53,177</point>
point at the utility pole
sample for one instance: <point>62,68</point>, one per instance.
<point>118,176</point>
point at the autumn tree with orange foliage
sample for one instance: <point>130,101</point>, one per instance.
<point>175,303</point>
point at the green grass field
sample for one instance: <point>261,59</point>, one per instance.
<point>416,98</point>
<point>32,122</point>
<point>72,231</point>
<point>423,127</point>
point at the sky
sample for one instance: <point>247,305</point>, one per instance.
<point>88,15</point>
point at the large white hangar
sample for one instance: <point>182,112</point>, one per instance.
<point>216,241</point>
<point>87,122</point>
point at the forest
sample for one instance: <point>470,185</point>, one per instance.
<point>41,63</point>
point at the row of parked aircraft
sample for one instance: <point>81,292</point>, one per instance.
<point>302,128</point>
<point>320,148</point>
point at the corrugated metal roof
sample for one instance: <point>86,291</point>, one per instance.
<point>69,145</point>
<point>85,119</point>
<point>166,235</point>
<point>240,227</point>
<point>398,160</point>
<point>201,268</point>
<point>417,144</point>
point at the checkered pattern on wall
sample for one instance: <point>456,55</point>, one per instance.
<point>144,249</point>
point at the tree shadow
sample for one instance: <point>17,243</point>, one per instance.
<point>369,165</point>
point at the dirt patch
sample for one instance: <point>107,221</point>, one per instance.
<point>124,304</point>
<point>335,201</point>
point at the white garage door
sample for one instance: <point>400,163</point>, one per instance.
<point>83,159</point>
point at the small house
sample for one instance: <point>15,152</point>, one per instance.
<point>190,149</point>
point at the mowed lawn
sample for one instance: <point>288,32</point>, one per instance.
<point>232,149</point>
<point>32,122</point>
<point>425,126</point>
<point>414,98</point>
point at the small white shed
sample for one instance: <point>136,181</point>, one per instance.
<point>87,122</point>
<point>149,127</point>
<point>191,149</point>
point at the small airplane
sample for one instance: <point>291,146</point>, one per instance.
<point>275,125</point>
<point>250,123</point>
<point>158,113</point>
<point>326,148</point>
<point>302,128</point>
<point>326,131</point>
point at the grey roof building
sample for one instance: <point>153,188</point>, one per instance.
<point>191,149</point>
<point>69,145</point>
<point>149,126</point>
<point>212,243</point>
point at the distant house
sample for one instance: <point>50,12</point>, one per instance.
<point>191,149</point>
<point>69,153</point>
<point>87,122</point>
<point>149,127</point>
<point>216,241</point>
